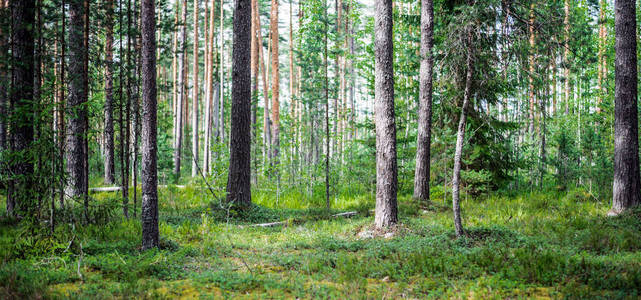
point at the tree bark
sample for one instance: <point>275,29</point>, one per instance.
<point>109,167</point>
<point>181,90</point>
<point>4,77</point>
<point>386,213</point>
<point>254,71</point>
<point>150,235</point>
<point>20,101</point>
<point>238,182</point>
<point>566,55</point>
<point>626,188</point>
<point>458,153</point>
<point>76,134</point>
<point>194,98</point>
<point>423,142</point>
<point>275,83</point>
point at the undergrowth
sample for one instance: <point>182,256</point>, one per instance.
<point>516,246</point>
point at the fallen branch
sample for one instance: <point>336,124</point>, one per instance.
<point>273,224</point>
<point>119,188</point>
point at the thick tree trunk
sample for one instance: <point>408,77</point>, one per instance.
<point>458,153</point>
<point>20,101</point>
<point>150,236</point>
<point>626,189</point>
<point>275,83</point>
<point>386,213</point>
<point>181,90</point>
<point>194,98</point>
<point>423,142</point>
<point>76,134</point>
<point>109,168</point>
<point>238,182</point>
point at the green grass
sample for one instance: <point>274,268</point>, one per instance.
<point>527,246</point>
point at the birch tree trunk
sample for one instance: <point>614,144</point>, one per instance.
<point>458,153</point>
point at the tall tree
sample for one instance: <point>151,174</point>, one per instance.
<point>238,182</point>
<point>149,214</point>
<point>386,213</point>
<point>627,185</point>
<point>109,168</point>
<point>4,77</point>
<point>566,55</point>
<point>194,98</point>
<point>181,89</point>
<point>77,113</point>
<point>423,142</point>
<point>21,102</point>
<point>275,82</point>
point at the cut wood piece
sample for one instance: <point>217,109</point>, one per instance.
<point>106,189</point>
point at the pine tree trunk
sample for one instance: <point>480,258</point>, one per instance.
<point>20,101</point>
<point>254,71</point>
<point>194,98</point>
<point>566,55</point>
<point>76,109</point>
<point>460,138</point>
<point>238,183</point>
<point>386,213</point>
<point>109,167</point>
<point>423,142</point>
<point>149,214</point>
<point>531,62</point>
<point>275,83</point>
<point>326,87</point>
<point>626,189</point>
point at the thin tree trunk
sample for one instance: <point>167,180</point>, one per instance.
<point>423,143</point>
<point>531,62</point>
<point>4,71</point>
<point>181,90</point>
<point>136,103</point>
<point>174,74</point>
<point>238,183</point>
<point>626,189</point>
<point>386,213</point>
<point>194,98</point>
<point>566,55</point>
<point>85,137</point>
<point>221,79</point>
<point>254,91</point>
<point>150,235</point>
<point>460,137</point>
<point>209,89</point>
<point>109,166</point>
<point>275,84</point>
<point>327,139</point>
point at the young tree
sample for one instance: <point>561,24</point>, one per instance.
<point>423,142</point>
<point>627,185</point>
<point>21,102</point>
<point>238,182</point>
<point>109,168</point>
<point>386,213</point>
<point>460,137</point>
<point>77,113</point>
<point>149,214</point>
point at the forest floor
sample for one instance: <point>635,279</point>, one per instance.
<point>523,246</point>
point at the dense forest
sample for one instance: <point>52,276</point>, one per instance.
<point>319,149</point>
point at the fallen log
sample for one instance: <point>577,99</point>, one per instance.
<point>274,224</point>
